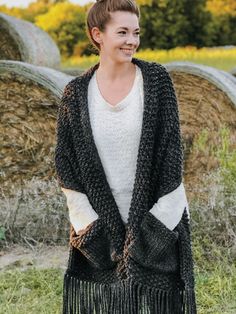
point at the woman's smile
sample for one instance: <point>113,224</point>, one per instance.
<point>127,51</point>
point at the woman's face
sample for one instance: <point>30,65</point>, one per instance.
<point>121,37</point>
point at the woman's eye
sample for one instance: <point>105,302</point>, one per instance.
<point>123,32</point>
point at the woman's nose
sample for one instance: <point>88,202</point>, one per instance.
<point>132,40</point>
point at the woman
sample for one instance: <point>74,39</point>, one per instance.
<point>119,162</point>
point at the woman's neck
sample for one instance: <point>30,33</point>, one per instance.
<point>110,71</point>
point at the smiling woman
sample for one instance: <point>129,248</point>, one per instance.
<point>119,161</point>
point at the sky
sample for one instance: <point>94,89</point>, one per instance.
<point>24,3</point>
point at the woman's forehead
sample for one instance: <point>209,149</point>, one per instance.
<point>124,19</point>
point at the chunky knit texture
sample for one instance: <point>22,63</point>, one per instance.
<point>116,131</point>
<point>145,268</point>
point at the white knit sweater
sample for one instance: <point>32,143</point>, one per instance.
<point>116,131</point>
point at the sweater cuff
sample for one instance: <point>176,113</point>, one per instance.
<point>81,213</point>
<point>170,207</point>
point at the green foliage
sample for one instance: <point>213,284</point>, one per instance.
<point>201,141</point>
<point>2,233</point>
<point>225,154</point>
<point>215,280</point>
<point>40,290</point>
<point>34,9</point>
<point>144,2</point>
<point>222,7</point>
<point>31,291</point>
<point>213,229</point>
<point>170,23</point>
<point>227,158</point>
<point>163,25</point>
<point>221,30</point>
<point>65,22</point>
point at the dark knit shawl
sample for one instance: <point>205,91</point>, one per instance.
<point>146,267</point>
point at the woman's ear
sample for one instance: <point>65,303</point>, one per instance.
<point>97,35</point>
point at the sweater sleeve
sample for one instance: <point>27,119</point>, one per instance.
<point>170,207</point>
<point>67,171</point>
<point>81,213</point>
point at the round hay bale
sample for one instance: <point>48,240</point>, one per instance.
<point>233,72</point>
<point>29,96</point>
<point>229,76</point>
<point>207,103</point>
<point>72,71</point>
<point>23,41</point>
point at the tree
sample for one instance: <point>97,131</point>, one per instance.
<point>164,24</point>
<point>170,23</point>
<point>223,21</point>
<point>29,13</point>
<point>65,22</point>
<point>222,7</point>
<point>199,18</point>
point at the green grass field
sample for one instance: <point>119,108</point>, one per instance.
<point>40,291</point>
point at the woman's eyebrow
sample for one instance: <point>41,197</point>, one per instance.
<point>126,28</point>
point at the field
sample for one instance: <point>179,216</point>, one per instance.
<point>221,58</point>
<point>38,290</point>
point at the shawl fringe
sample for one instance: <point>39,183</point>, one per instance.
<point>125,297</point>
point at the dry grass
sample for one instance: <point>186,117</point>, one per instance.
<point>215,219</point>
<point>28,121</point>
<point>8,47</point>
<point>24,41</point>
<point>36,213</point>
<point>204,109</point>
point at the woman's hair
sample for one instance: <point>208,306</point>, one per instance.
<point>99,16</point>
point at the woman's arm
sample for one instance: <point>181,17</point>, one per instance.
<point>171,198</point>
<point>81,212</point>
<point>170,207</point>
<point>67,171</point>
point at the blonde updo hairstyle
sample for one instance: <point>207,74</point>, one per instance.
<point>99,16</point>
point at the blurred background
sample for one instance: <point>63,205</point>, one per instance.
<point>170,30</point>
<point>43,45</point>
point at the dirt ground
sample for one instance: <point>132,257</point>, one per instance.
<point>41,256</point>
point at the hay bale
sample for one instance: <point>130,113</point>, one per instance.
<point>207,103</point>
<point>29,96</point>
<point>72,71</point>
<point>23,41</point>
<point>233,72</point>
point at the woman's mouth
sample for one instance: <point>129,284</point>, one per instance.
<point>127,51</point>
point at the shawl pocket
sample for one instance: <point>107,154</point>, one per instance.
<point>94,243</point>
<point>156,246</point>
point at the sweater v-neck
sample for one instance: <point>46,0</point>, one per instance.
<point>124,102</point>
